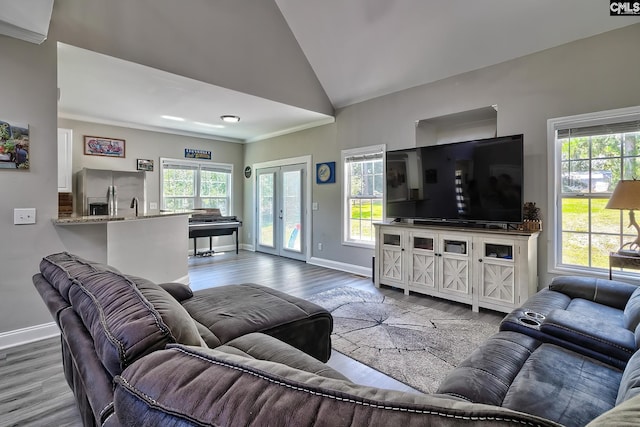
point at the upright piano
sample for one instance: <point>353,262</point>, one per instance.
<point>209,223</point>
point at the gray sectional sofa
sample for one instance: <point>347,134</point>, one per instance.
<point>140,354</point>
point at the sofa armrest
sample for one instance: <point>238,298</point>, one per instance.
<point>591,333</point>
<point>177,290</point>
<point>608,292</point>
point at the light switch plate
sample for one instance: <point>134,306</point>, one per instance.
<point>24,216</point>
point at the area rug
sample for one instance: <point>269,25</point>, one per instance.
<point>414,344</point>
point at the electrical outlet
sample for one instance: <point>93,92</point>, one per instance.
<point>153,206</point>
<point>24,216</point>
<point>319,246</point>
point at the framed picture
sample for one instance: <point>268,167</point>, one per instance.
<point>14,146</point>
<point>100,146</point>
<point>145,165</point>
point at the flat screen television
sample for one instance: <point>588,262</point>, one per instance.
<point>477,181</point>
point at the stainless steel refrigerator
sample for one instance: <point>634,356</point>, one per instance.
<point>96,186</point>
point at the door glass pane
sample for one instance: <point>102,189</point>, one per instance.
<point>292,210</point>
<point>266,209</point>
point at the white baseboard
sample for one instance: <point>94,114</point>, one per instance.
<point>335,265</point>
<point>27,335</point>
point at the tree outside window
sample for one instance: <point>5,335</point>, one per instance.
<point>592,159</point>
<point>364,176</point>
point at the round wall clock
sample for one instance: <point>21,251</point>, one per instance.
<point>247,172</point>
<point>325,172</point>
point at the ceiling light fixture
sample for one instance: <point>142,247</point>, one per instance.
<point>230,119</point>
<point>177,119</point>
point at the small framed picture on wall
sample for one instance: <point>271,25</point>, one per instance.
<point>145,165</point>
<point>100,146</point>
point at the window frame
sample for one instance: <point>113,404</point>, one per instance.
<point>346,213</point>
<point>554,242</point>
<point>198,166</point>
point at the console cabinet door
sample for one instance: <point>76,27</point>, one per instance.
<point>497,273</point>
<point>422,262</point>
<point>454,275</point>
<point>392,257</point>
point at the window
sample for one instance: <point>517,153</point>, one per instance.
<point>191,184</point>
<point>591,154</point>
<point>363,189</point>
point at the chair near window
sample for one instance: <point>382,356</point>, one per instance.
<point>626,196</point>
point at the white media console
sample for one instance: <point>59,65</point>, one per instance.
<point>489,268</point>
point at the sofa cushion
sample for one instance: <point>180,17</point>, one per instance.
<point>60,269</point>
<point>539,378</point>
<point>124,324</point>
<point>608,292</point>
<point>631,316</point>
<point>180,323</point>
<point>235,310</point>
<point>210,387</point>
<point>603,313</point>
<point>264,347</point>
<point>126,316</point>
<point>630,383</point>
<point>486,375</point>
<point>563,386</point>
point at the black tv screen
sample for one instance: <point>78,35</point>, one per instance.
<point>476,181</point>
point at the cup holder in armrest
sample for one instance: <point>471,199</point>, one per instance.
<point>534,315</point>
<point>530,322</point>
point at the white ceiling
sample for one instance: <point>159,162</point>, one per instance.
<point>359,49</point>
<point>99,88</point>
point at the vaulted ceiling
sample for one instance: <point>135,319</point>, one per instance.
<point>358,49</point>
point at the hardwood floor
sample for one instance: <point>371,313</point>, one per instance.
<point>33,391</point>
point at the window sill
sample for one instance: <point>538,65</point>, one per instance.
<point>362,245</point>
<point>602,273</point>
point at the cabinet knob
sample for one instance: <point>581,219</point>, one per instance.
<point>480,260</point>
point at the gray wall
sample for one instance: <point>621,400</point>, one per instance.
<point>588,75</point>
<point>28,76</point>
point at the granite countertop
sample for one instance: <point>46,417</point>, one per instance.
<point>100,219</point>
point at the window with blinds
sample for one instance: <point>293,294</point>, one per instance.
<point>591,157</point>
<point>191,184</point>
<point>363,192</point>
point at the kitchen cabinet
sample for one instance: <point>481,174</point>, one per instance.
<point>484,268</point>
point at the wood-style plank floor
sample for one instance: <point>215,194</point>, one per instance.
<point>34,392</point>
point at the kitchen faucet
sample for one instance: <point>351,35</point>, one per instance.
<point>134,204</point>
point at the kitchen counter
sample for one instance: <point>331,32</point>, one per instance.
<point>100,219</point>
<point>154,245</point>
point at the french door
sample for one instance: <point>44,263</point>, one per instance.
<point>280,203</point>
